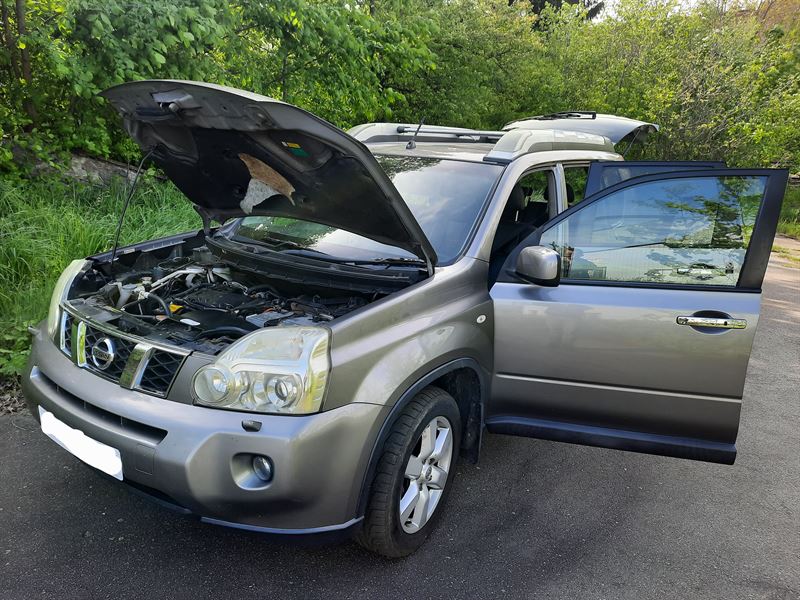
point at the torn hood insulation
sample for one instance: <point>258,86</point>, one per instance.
<point>234,153</point>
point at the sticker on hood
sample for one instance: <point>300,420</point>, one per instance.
<point>265,182</point>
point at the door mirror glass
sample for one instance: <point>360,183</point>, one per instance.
<point>539,265</point>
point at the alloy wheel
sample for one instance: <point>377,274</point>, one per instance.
<point>426,474</point>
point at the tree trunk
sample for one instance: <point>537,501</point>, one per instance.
<point>285,75</point>
<point>9,39</point>
<point>25,61</point>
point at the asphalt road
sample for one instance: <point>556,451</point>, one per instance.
<point>535,519</point>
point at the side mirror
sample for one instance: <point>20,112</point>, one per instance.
<point>539,265</point>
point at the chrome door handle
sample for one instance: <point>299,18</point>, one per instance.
<point>719,323</point>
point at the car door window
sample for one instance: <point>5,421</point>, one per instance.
<point>604,174</point>
<point>575,179</point>
<point>683,230</point>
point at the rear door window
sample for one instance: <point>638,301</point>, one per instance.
<point>603,174</point>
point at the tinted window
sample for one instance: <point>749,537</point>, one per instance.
<point>682,231</point>
<point>604,175</point>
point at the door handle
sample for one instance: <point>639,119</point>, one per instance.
<point>715,322</point>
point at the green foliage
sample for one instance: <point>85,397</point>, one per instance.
<point>723,83</point>
<point>484,53</point>
<point>80,47</point>
<point>326,56</point>
<point>720,86</point>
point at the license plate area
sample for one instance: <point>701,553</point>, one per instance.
<point>93,453</point>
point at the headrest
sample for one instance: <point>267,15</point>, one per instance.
<point>516,200</point>
<point>570,194</point>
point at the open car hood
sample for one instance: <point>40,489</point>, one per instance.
<point>234,153</point>
<point>616,129</point>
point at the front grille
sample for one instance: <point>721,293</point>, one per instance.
<point>160,371</point>
<point>122,351</point>
<point>135,364</point>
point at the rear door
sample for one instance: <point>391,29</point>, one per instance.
<point>645,342</point>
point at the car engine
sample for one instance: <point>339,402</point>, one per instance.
<point>201,303</point>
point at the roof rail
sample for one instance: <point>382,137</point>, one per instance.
<point>399,132</point>
<point>456,131</point>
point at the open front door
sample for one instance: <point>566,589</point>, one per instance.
<point>644,344</point>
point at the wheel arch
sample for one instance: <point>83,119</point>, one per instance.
<point>458,378</point>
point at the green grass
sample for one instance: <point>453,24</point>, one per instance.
<point>46,223</point>
<point>789,223</point>
<point>786,253</point>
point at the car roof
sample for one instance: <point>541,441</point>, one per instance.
<point>451,151</point>
<point>590,133</point>
<point>477,153</point>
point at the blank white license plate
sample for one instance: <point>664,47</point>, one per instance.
<point>93,453</point>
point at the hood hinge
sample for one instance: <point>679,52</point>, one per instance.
<point>206,217</point>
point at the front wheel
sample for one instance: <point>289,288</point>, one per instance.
<point>413,475</point>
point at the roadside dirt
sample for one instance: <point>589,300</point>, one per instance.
<point>11,401</point>
<point>786,251</point>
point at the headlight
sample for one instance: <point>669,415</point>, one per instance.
<point>60,294</point>
<point>280,370</point>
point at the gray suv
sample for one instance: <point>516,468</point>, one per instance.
<point>372,302</point>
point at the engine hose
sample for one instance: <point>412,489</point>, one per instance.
<point>193,288</point>
<point>159,299</point>
<point>162,302</point>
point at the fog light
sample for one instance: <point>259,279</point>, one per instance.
<point>262,467</point>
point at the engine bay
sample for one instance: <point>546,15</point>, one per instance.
<point>198,302</point>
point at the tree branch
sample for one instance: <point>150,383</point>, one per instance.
<point>25,60</point>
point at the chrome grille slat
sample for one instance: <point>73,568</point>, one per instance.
<point>66,335</point>
<point>160,371</point>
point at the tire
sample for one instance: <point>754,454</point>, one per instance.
<point>427,416</point>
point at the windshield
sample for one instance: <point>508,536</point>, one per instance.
<point>446,197</point>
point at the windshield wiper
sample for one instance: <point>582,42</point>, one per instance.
<point>267,241</point>
<point>401,261</point>
<point>300,250</point>
<point>398,260</point>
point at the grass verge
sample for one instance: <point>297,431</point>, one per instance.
<point>789,223</point>
<point>46,223</point>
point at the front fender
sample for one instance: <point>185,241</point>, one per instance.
<point>377,353</point>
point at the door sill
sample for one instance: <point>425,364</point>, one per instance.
<point>616,439</point>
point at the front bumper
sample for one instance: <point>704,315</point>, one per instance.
<point>197,458</point>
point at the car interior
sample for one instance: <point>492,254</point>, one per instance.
<point>529,206</point>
